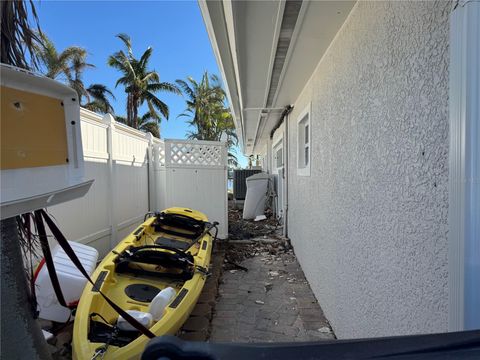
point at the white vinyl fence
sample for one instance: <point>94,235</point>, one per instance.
<point>135,173</point>
<point>193,174</point>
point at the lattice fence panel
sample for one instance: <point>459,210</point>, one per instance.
<point>190,153</point>
<point>161,153</point>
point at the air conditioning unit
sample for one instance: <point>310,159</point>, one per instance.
<point>240,182</point>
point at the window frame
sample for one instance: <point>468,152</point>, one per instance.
<point>302,145</point>
<point>275,148</point>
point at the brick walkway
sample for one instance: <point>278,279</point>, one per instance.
<point>270,302</point>
<point>197,326</point>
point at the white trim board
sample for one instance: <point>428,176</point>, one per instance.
<point>464,167</point>
<point>304,171</point>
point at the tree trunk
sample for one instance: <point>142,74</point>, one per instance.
<point>129,110</point>
<point>21,336</point>
<point>135,113</point>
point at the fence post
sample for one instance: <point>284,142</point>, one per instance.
<point>168,170</point>
<point>225,177</point>
<point>109,120</point>
<point>152,189</point>
<point>168,153</point>
<point>225,155</point>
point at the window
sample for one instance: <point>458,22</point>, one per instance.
<point>279,157</point>
<point>304,143</point>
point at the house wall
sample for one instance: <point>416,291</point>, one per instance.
<point>369,225</point>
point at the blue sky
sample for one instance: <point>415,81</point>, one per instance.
<point>174,29</point>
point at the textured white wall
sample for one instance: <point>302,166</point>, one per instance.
<point>370,224</point>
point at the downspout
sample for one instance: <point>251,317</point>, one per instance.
<point>284,116</point>
<point>464,167</point>
<point>285,172</point>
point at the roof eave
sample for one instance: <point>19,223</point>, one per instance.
<point>218,31</point>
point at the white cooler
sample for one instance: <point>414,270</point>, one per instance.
<point>257,187</point>
<point>71,280</point>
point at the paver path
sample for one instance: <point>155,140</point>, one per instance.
<point>272,302</point>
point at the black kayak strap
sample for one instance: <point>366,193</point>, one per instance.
<point>47,255</point>
<point>205,232</point>
<point>62,241</point>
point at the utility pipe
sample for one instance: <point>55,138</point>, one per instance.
<point>285,115</point>
<point>286,172</point>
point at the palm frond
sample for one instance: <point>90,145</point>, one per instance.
<point>163,86</point>
<point>127,41</point>
<point>121,119</point>
<point>18,38</point>
<point>100,94</point>
<point>121,62</point>
<point>100,89</point>
<point>150,127</point>
<point>157,104</point>
<point>186,88</point>
<point>151,77</point>
<point>95,106</point>
<point>145,57</point>
<point>146,117</point>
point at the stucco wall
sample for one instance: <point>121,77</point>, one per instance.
<point>369,225</point>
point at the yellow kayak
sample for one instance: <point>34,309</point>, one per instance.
<point>170,250</point>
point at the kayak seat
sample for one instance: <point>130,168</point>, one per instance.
<point>173,265</point>
<point>179,225</point>
<point>177,244</point>
<point>101,332</point>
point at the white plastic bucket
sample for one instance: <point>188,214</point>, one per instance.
<point>71,280</point>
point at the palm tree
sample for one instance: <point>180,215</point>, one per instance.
<point>146,123</point>
<point>209,117</point>
<point>99,102</point>
<point>57,65</point>
<point>76,66</point>
<point>69,66</point>
<point>141,84</point>
<point>204,99</point>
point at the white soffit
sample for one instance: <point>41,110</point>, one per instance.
<point>247,60</point>
<point>215,23</point>
<point>256,24</point>
<point>316,27</point>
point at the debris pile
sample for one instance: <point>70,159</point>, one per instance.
<point>240,229</point>
<point>59,338</point>
<point>270,251</point>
